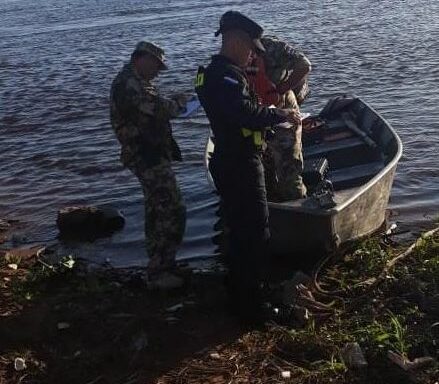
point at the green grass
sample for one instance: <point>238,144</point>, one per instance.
<point>394,315</point>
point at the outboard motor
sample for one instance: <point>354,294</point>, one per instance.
<point>314,175</point>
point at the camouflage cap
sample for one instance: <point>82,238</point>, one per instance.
<point>152,49</point>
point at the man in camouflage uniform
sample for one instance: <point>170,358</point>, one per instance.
<point>287,68</point>
<point>140,119</point>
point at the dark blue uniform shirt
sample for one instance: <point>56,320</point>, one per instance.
<point>231,106</point>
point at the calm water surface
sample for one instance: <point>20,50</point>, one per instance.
<point>57,61</point>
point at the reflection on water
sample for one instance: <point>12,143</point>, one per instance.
<point>57,61</point>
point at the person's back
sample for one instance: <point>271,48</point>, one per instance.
<point>288,68</point>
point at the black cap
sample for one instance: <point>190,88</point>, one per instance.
<point>236,20</point>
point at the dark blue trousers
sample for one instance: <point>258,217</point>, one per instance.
<point>240,182</point>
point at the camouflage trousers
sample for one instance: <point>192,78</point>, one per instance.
<point>165,214</point>
<point>283,160</point>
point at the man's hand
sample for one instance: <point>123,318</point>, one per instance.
<point>293,116</point>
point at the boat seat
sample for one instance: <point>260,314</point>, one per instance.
<point>358,172</point>
<point>331,146</point>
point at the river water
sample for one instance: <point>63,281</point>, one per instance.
<point>58,58</point>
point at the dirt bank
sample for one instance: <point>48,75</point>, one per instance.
<point>71,322</point>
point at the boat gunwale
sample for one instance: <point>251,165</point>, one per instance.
<point>362,189</point>
<point>338,208</point>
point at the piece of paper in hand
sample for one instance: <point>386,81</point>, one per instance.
<point>191,106</point>
<point>304,115</point>
<point>285,125</point>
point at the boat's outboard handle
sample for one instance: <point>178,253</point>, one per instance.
<point>314,172</point>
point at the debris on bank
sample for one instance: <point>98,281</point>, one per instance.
<point>370,316</point>
<point>381,332</point>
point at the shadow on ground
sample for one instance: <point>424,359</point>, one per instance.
<point>104,327</point>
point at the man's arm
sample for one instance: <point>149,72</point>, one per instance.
<point>290,59</point>
<point>174,105</point>
<point>301,69</point>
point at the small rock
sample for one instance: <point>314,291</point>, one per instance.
<point>391,228</point>
<point>19,364</point>
<point>217,380</point>
<point>13,266</point>
<point>200,271</point>
<point>63,325</point>
<point>175,308</point>
<point>408,365</point>
<point>172,319</point>
<point>353,356</point>
<point>286,374</point>
<point>116,284</point>
<point>215,356</point>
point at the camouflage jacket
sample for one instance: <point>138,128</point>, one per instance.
<point>140,120</point>
<point>281,59</point>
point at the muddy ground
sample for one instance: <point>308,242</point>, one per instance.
<point>66,321</point>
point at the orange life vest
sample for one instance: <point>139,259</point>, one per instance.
<point>261,84</point>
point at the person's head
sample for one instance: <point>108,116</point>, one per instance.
<point>148,59</point>
<point>239,46</point>
<point>241,37</point>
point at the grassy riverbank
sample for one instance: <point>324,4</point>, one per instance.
<point>73,324</point>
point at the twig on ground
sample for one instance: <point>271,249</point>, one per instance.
<point>375,281</point>
<point>96,380</point>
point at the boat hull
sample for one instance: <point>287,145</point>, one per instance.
<point>363,169</point>
<point>295,231</point>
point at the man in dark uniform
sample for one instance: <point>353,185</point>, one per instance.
<point>239,124</point>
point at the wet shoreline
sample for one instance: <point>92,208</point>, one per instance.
<point>58,147</point>
<point>88,323</point>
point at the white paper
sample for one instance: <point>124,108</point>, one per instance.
<point>288,125</point>
<point>304,115</point>
<point>191,106</point>
<point>285,125</point>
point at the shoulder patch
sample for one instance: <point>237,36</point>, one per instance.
<point>231,80</point>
